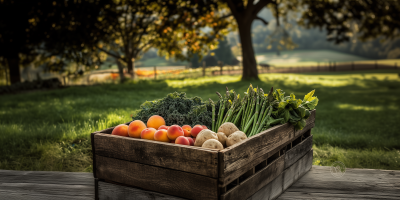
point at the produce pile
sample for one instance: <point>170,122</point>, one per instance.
<point>199,135</point>
<point>258,111</point>
<point>232,119</point>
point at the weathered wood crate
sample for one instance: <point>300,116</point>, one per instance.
<point>262,167</point>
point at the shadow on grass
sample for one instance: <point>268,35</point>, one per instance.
<point>42,129</point>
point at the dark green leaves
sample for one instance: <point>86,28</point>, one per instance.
<point>176,108</point>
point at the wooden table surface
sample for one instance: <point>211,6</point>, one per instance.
<point>318,183</point>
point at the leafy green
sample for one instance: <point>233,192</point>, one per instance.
<point>282,109</point>
<point>177,109</point>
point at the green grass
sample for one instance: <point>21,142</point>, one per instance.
<point>357,117</point>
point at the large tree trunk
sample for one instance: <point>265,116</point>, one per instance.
<point>131,67</point>
<point>120,71</point>
<point>248,57</point>
<point>13,67</point>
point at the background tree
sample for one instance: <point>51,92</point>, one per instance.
<point>47,28</point>
<point>173,27</point>
<point>372,18</point>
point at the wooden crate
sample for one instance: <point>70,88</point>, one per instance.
<point>262,167</point>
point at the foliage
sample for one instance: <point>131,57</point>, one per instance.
<point>40,30</point>
<point>176,108</point>
<point>173,27</point>
<point>257,111</point>
<point>343,19</point>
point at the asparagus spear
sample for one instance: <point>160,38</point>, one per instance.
<point>220,108</point>
<point>266,118</point>
<point>261,115</point>
<point>213,115</point>
<point>257,109</point>
<point>242,107</point>
<point>248,125</point>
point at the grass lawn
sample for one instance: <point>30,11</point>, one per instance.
<point>358,117</point>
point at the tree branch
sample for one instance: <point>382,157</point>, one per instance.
<point>260,5</point>
<point>226,16</point>
<point>262,20</point>
<point>109,53</point>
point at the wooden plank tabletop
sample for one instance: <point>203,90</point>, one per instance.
<point>46,185</point>
<point>318,183</point>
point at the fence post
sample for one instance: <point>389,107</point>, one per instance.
<point>376,64</point>
<point>352,65</point>
<point>395,65</point>
<point>318,66</point>
<point>155,73</point>
<point>221,65</point>
<point>204,68</point>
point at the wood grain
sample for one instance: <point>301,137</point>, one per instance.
<point>298,151</point>
<point>298,169</point>
<point>318,183</point>
<point>270,191</point>
<point>304,130</point>
<point>113,191</point>
<point>163,180</point>
<point>257,181</point>
<point>229,176</point>
<point>239,155</point>
<point>93,153</point>
<point>191,159</point>
<point>46,185</point>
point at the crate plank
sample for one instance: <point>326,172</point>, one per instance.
<point>113,191</point>
<point>271,191</point>
<point>238,155</point>
<point>191,159</point>
<point>167,181</point>
<point>298,169</point>
<point>298,151</point>
<point>305,129</point>
<point>257,181</point>
<point>229,176</point>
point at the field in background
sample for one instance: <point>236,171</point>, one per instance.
<point>357,117</point>
<point>108,73</point>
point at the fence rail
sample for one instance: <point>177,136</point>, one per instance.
<point>160,73</point>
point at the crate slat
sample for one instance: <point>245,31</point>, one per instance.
<point>229,176</point>
<point>294,154</point>
<point>257,181</point>
<point>271,191</point>
<point>297,170</point>
<point>256,146</point>
<point>168,155</point>
<point>167,181</point>
<point>114,191</point>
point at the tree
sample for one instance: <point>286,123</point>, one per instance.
<point>173,27</point>
<point>375,19</point>
<point>367,19</point>
<point>46,28</point>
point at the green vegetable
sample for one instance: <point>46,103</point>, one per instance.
<point>258,111</point>
<point>178,109</point>
<point>213,114</point>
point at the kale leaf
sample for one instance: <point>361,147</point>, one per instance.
<point>177,109</point>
